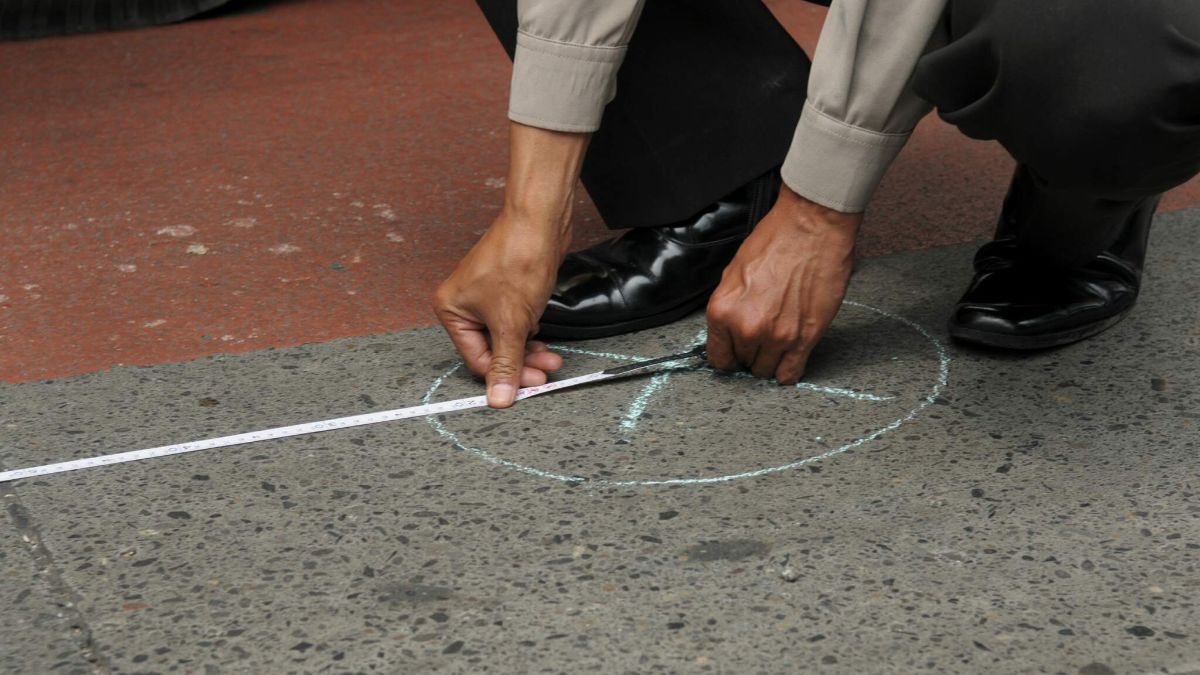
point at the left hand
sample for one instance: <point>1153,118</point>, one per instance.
<point>782,289</point>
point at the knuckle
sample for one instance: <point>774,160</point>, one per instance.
<point>443,298</point>
<point>438,300</point>
<point>811,330</point>
<point>754,329</point>
<point>783,335</point>
<point>720,305</point>
<point>502,358</point>
<point>512,319</point>
<point>503,367</point>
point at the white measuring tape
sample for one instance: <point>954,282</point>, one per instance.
<point>336,423</point>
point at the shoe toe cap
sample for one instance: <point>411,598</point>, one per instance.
<point>583,292</point>
<point>984,319</point>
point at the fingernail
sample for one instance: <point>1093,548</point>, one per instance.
<point>501,395</point>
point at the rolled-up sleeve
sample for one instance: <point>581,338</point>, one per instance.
<point>566,61</point>
<point>861,108</point>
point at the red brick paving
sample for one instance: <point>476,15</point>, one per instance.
<point>300,174</point>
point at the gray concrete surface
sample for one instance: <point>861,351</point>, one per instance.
<point>40,632</point>
<point>1039,514</point>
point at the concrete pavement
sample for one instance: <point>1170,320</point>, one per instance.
<point>1028,514</point>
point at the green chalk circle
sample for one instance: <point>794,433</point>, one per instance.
<point>657,382</point>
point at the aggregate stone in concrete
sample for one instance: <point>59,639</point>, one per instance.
<point>1034,513</point>
<point>39,630</point>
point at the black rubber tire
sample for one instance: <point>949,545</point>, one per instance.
<point>27,19</point>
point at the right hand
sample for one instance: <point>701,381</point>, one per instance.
<point>783,288</point>
<point>491,303</point>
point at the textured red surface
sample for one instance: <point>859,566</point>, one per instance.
<point>299,174</point>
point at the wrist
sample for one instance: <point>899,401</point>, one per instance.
<point>543,172</point>
<point>536,237</point>
<point>539,209</point>
<point>812,218</point>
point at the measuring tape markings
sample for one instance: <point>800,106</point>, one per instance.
<point>430,410</point>
<point>293,430</point>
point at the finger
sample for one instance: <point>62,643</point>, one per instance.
<point>795,361</point>
<point>471,342</point>
<point>544,361</point>
<point>720,347</point>
<point>792,365</point>
<point>746,350</point>
<point>766,363</point>
<point>508,359</point>
<point>532,377</point>
<point>535,346</point>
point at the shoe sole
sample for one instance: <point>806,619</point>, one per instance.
<point>1034,342</point>
<point>569,332</point>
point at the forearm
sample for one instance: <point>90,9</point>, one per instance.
<point>543,174</point>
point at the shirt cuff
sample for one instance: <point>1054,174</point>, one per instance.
<point>838,165</point>
<point>562,86</point>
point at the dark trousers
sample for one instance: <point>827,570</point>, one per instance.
<point>707,99</point>
<point>1100,99</point>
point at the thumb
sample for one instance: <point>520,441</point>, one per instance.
<point>508,359</point>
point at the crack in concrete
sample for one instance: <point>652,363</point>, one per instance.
<point>64,596</point>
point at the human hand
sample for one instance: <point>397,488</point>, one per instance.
<point>782,289</point>
<point>491,303</point>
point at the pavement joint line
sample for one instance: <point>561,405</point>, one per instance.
<point>46,569</point>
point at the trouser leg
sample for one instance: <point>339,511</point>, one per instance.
<point>707,99</point>
<point>1100,99</point>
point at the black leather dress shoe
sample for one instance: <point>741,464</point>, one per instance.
<point>650,276</point>
<point>1016,303</point>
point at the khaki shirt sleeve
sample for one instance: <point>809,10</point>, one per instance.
<point>566,61</point>
<point>861,108</point>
